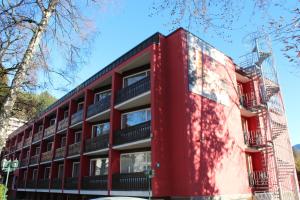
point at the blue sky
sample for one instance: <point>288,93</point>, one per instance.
<point>127,22</point>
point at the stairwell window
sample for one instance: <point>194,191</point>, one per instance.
<point>129,80</point>
<point>135,162</point>
<point>98,166</point>
<point>100,129</point>
<point>101,95</point>
<point>135,117</point>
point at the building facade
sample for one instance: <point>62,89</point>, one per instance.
<point>172,118</point>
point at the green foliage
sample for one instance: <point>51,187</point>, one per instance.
<point>3,85</point>
<point>2,191</point>
<point>297,159</point>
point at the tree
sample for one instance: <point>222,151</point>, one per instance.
<point>220,16</point>
<point>28,31</point>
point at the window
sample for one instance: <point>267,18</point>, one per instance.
<point>136,117</point>
<point>47,173</point>
<point>80,106</point>
<point>77,137</point>
<point>34,174</point>
<point>40,128</point>
<point>37,150</point>
<point>66,114</point>
<point>101,95</point>
<point>129,80</point>
<point>52,121</point>
<point>135,162</point>
<point>98,166</point>
<point>49,146</point>
<point>25,175</point>
<point>100,129</point>
<point>63,141</point>
<point>75,169</point>
<point>27,154</point>
<point>60,171</point>
<point>249,163</point>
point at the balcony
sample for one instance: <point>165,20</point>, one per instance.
<point>12,149</point>
<point>139,135</point>
<point>46,156</point>
<point>19,145</point>
<point>60,153</point>
<point>62,125</point>
<point>99,110</point>
<point>37,137</point>
<point>134,95</point>
<point>56,183</point>
<point>254,138</point>
<point>34,159</point>
<point>27,141</point>
<point>49,131</point>
<point>94,182</point>
<point>21,184</point>
<point>97,143</point>
<point>77,118</point>
<point>71,183</point>
<point>74,149</point>
<point>43,183</point>
<point>131,181</point>
<point>258,179</point>
<point>24,162</point>
<point>31,184</point>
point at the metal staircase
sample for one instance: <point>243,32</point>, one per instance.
<point>278,180</point>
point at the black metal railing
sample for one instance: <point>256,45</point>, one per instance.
<point>74,149</point>
<point>31,184</point>
<point>38,136</point>
<point>21,184</point>
<point>56,183</point>
<point>131,181</point>
<point>94,182</point>
<point>97,143</point>
<point>46,156</point>
<point>34,159</point>
<point>71,183</point>
<point>254,138</point>
<point>63,124</point>
<point>59,153</point>
<point>27,141</point>
<point>133,133</point>
<point>43,183</point>
<point>50,130</point>
<point>24,162</point>
<point>258,179</point>
<point>133,90</point>
<point>19,145</point>
<point>98,107</point>
<point>77,117</point>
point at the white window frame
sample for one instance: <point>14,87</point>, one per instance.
<point>147,71</point>
<point>104,91</point>
<point>80,103</point>
<point>39,148</point>
<point>135,153</point>
<point>33,172</point>
<point>53,120</point>
<point>133,112</point>
<point>59,169</point>
<point>48,146</point>
<point>95,126</point>
<point>75,133</point>
<point>45,172</point>
<point>74,163</point>
<point>90,172</point>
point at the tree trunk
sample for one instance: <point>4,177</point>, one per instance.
<point>23,67</point>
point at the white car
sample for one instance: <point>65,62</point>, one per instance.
<point>118,198</point>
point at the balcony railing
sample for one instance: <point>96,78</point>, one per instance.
<point>38,136</point>
<point>12,149</point>
<point>31,184</point>
<point>50,130</point>
<point>131,181</point>
<point>97,143</point>
<point>34,159</point>
<point>19,145</point>
<point>24,162</point>
<point>98,107</point>
<point>56,183</point>
<point>133,90</point>
<point>250,101</point>
<point>21,184</point>
<point>254,138</point>
<point>43,183</point>
<point>59,153</point>
<point>77,117</point>
<point>63,124</point>
<point>94,182</point>
<point>27,141</point>
<point>258,178</point>
<point>133,133</point>
<point>71,183</point>
<point>74,149</point>
<point>46,156</point>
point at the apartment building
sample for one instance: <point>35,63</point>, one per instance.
<point>172,118</point>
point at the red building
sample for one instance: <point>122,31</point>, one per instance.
<point>172,118</point>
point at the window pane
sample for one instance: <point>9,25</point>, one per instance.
<point>134,118</point>
<point>135,162</point>
<point>100,129</point>
<point>60,171</point>
<point>101,95</point>
<point>132,79</point>
<point>99,167</point>
<point>75,170</point>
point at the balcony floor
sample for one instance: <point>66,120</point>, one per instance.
<point>247,113</point>
<point>77,125</point>
<point>97,152</point>
<point>140,100</point>
<point>130,193</point>
<point>100,116</point>
<point>94,192</point>
<point>134,145</point>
